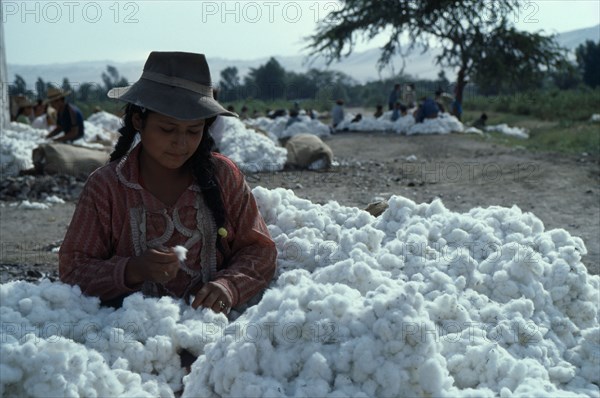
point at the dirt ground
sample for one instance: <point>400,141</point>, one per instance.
<point>465,172</point>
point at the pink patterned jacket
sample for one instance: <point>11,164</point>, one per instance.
<point>116,218</point>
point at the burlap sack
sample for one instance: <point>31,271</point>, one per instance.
<point>304,149</point>
<point>68,159</point>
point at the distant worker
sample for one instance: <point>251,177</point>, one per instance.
<point>294,117</point>
<point>337,113</point>
<point>394,97</point>
<point>428,109</point>
<point>439,100</point>
<point>244,112</point>
<point>456,108</point>
<point>357,118</point>
<point>480,123</point>
<point>69,119</point>
<point>409,95</point>
<point>25,111</point>
<point>400,110</point>
<point>378,112</point>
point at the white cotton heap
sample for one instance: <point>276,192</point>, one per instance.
<point>506,129</point>
<point>595,117</point>
<point>106,120</point>
<point>17,142</point>
<point>27,205</point>
<point>420,301</point>
<point>250,150</point>
<point>279,127</point>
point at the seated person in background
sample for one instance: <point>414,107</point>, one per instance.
<point>244,112</point>
<point>356,119</point>
<point>427,109</point>
<point>69,117</point>
<point>378,112</point>
<point>46,119</point>
<point>25,112</point>
<point>399,111</point>
<point>276,113</point>
<point>438,100</point>
<point>293,118</point>
<point>480,123</point>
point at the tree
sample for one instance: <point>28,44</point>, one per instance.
<point>66,85</point>
<point>19,86</point>
<point>588,59</point>
<point>471,34</point>
<point>111,78</point>
<point>230,82</point>
<point>268,80</point>
<point>566,76</point>
<point>40,88</point>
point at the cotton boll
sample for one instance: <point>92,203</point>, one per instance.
<point>181,252</point>
<point>432,376</point>
<point>25,306</point>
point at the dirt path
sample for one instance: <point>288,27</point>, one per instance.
<point>563,191</point>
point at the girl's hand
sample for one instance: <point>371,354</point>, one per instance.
<point>153,266</point>
<point>213,296</point>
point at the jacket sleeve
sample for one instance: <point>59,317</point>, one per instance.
<point>253,255</point>
<point>86,257</point>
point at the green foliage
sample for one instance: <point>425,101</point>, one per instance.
<point>112,78</point>
<point>476,36</point>
<point>550,104</point>
<point>267,82</point>
<point>230,82</point>
<point>588,59</point>
<point>19,87</point>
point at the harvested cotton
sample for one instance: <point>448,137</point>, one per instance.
<point>420,301</point>
<point>105,120</point>
<point>506,129</point>
<point>252,151</point>
<point>279,128</point>
<point>181,252</point>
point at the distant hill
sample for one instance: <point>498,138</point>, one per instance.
<point>361,66</point>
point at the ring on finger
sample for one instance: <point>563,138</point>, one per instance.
<point>221,304</point>
<point>166,274</point>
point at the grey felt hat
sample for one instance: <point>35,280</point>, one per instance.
<point>176,84</point>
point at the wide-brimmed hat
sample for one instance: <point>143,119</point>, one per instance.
<point>23,102</point>
<point>54,93</point>
<point>176,84</point>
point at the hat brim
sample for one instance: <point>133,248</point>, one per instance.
<point>58,96</point>
<point>176,102</point>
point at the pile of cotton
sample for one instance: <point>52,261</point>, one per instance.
<point>443,124</point>
<point>281,127</point>
<point>18,141</point>
<point>16,145</point>
<point>33,205</point>
<point>367,123</point>
<point>93,135</point>
<point>513,131</point>
<point>106,120</point>
<point>595,117</point>
<point>252,151</point>
<point>421,301</point>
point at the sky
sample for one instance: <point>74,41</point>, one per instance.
<point>43,32</point>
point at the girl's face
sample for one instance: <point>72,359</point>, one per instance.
<point>169,142</point>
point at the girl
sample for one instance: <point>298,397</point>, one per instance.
<point>168,190</point>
